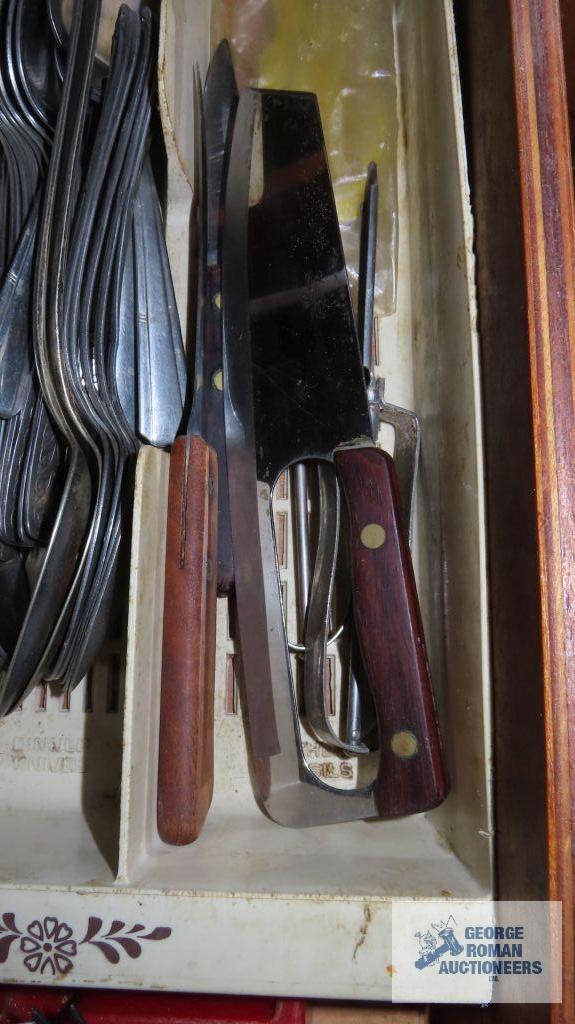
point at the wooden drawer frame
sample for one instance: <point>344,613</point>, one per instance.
<point>522,195</point>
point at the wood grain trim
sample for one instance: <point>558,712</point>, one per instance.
<point>186,747</point>
<point>328,1013</point>
<point>411,775</point>
<point>549,234</point>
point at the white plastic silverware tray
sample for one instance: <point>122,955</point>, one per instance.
<point>88,893</point>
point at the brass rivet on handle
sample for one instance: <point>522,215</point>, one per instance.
<point>372,536</point>
<point>404,744</point>
<point>218,380</point>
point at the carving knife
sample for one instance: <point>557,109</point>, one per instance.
<point>295,390</point>
<point>365,303</point>
<point>406,427</point>
<point>198,545</point>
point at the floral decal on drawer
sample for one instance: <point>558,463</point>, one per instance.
<point>48,946</point>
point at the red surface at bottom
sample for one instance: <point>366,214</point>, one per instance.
<point>107,1007</point>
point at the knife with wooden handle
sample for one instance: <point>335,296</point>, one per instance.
<point>199,560</point>
<point>389,629</point>
<point>295,390</point>
<point>185,778</point>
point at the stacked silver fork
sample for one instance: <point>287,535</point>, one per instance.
<point>94,344</point>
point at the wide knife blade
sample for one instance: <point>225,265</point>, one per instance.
<point>301,317</point>
<point>295,389</point>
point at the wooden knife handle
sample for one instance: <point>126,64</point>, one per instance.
<point>186,764</point>
<point>411,774</point>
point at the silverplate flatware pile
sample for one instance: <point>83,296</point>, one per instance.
<point>91,356</point>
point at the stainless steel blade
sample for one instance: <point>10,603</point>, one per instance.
<point>308,383</point>
<point>215,118</point>
<point>220,99</point>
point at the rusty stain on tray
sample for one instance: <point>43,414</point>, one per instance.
<point>363,930</point>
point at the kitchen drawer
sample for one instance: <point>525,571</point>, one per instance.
<point>251,907</point>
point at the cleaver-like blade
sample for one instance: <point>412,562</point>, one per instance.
<point>308,385</point>
<point>294,389</point>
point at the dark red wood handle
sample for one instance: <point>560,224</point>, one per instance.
<point>186,765</point>
<point>411,774</point>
